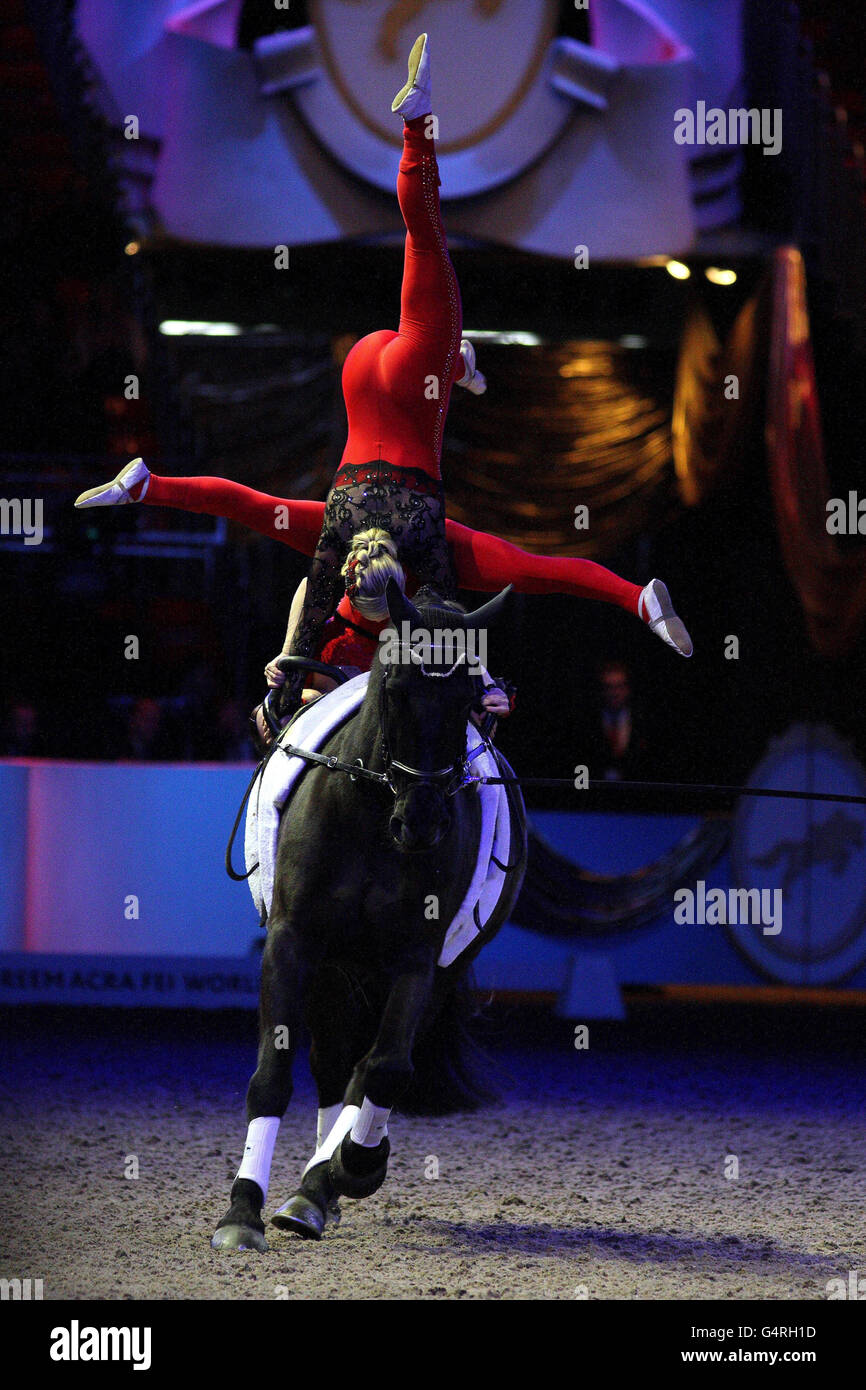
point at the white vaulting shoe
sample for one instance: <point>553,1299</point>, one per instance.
<point>414,99</point>
<point>119,490</point>
<point>472,379</point>
<point>656,609</point>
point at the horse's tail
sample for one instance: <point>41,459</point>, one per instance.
<point>451,1070</point>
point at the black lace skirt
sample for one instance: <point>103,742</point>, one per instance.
<point>407,503</point>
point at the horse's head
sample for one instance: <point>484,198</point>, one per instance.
<point>428,670</point>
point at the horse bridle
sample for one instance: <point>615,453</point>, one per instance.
<point>455,775</point>
<point>457,772</point>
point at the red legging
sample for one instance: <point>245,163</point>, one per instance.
<point>482,562</point>
<point>397,385</point>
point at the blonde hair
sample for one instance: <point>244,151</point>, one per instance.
<point>371,562</point>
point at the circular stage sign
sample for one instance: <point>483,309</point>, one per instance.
<point>809,857</point>
<point>496,114</point>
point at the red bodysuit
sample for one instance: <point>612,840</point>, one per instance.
<point>397,385</point>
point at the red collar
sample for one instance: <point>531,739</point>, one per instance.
<point>346,609</point>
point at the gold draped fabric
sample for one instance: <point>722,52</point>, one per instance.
<point>770,343</point>
<point>715,397</point>
<point>831,583</point>
<point>575,426</point>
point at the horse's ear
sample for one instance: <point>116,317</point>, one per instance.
<point>489,612</point>
<point>399,607</point>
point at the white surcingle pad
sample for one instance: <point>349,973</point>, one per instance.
<point>272,792</point>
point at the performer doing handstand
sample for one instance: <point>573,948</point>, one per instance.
<point>389,476</point>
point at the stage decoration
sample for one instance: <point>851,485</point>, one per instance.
<point>579,427</point>
<point>769,356</point>
<point>814,853</point>
<point>830,580</point>
<point>563,144</point>
<point>717,396</point>
<point>561,899</point>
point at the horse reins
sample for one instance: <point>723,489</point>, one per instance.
<point>459,775</point>
<point>457,772</point>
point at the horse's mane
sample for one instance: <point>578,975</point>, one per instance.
<point>436,610</point>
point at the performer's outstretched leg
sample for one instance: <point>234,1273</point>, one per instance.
<point>419,366</point>
<point>397,385</point>
<point>481,562</point>
<point>486,563</point>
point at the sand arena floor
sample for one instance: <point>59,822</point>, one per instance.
<point>599,1173</point>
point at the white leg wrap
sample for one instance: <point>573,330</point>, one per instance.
<point>259,1150</point>
<point>327,1119</point>
<point>371,1125</point>
<point>346,1118</point>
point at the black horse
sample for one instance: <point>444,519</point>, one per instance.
<point>371,870</point>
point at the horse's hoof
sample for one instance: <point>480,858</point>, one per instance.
<point>237,1237</point>
<point>302,1216</point>
<point>357,1171</point>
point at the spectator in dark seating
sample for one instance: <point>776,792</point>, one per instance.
<point>147,736</point>
<point>200,699</point>
<point>619,746</point>
<point>232,733</point>
<point>21,736</point>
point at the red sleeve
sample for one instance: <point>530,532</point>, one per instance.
<point>293,523</point>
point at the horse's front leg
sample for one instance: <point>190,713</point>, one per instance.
<point>342,1027</point>
<point>360,1162</point>
<point>269,1091</point>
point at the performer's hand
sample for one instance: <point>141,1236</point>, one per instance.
<point>262,736</point>
<point>274,676</point>
<point>495,701</point>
